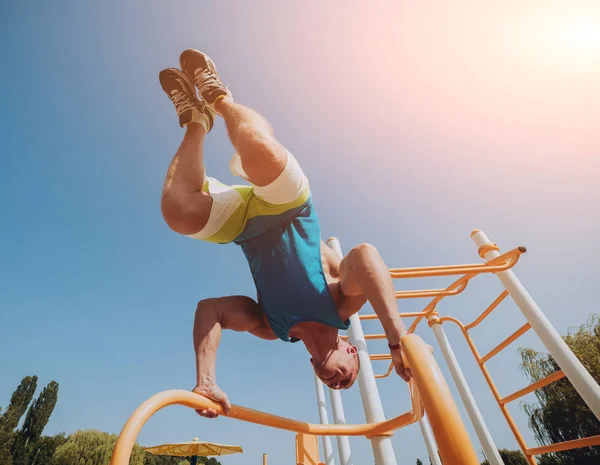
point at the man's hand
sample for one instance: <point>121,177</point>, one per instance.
<point>398,361</point>
<point>213,392</point>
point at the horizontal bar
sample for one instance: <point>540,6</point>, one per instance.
<point>488,310</point>
<point>431,292</point>
<point>373,316</point>
<point>533,387</point>
<point>502,263</point>
<point>367,336</point>
<point>380,357</point>
<point>566,445</point>
<point>430,307</point>
<point>198,402</point>
<point>514,336</point>
<point>426,373</point>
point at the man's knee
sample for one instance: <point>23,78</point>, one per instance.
<point>255,140</point>
<point>364,250</point>
<point>182,215</point>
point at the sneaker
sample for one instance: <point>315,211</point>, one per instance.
<point>182,93</point>
<point>201,69</point>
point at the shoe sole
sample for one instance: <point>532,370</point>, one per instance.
<point>188,84</point>
<point>211,64</point>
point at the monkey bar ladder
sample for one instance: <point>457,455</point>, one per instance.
<point>501,265</point>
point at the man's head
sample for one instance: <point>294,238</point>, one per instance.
<point>340,368</point>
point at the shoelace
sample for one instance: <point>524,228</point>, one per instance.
<point>182,102</point>
<point>205,79</point>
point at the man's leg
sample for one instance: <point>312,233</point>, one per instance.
<point>263,158</point>
<point>185,207</point>
<point>363,272</point>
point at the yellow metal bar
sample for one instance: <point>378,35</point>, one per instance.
<point>567,445</point>
<point>504,261</point>
<point>486,374</point>
<point>501,263</point>
<point>198,402</point>
<point>510,339</point>
<point>380,357</point>
<point>307,449</point>
<point>432,271</point>
<point>373,316</point>
<point>533,387</point>
<point>429,376</point>
<point>431,292</point>
<point>367,336</point>
<point>449,431</point>
<point>431,306</point>
<point>450,434</point>
<point>489,310</point>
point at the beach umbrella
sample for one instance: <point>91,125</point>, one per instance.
<point>194,449</point>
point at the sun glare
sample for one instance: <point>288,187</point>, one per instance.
<point>584,34</point>
<point>569,38</point>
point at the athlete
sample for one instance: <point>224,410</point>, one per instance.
<point>305,292</point>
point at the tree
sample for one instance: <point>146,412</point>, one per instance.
<point>560,414</point>
<point>151,459</point>
<point>36,420</point>
<point>5,442</point>
<point>510,457</point>
<point>208,461</point>
<point>419,462</point>
<point>42,451</point>
<point>19,401</point>
<point>39,413</point>
<point>92,447</point>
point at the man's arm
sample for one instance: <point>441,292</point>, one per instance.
<point>237,313</point>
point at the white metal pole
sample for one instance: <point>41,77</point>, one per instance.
<point>382,445</point>
<point>430,443</point>
<point>323,417</point>
<point>485,438</point>
<point>337,408</point>
<point>582,381</point>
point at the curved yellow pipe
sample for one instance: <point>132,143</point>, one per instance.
<point>427,375</point>
<point>450,433</point>
<point>500,263</point>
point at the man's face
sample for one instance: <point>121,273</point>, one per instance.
<point>339,371</point>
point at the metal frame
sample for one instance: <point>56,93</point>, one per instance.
<point>501,266</point>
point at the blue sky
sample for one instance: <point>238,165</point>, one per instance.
<point>414,124</point>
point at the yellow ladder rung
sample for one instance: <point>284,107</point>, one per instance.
<point>532,387</point>
<point>566,445</point>
<point>517,334</point>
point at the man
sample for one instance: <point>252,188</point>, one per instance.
<point>305,291</point>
